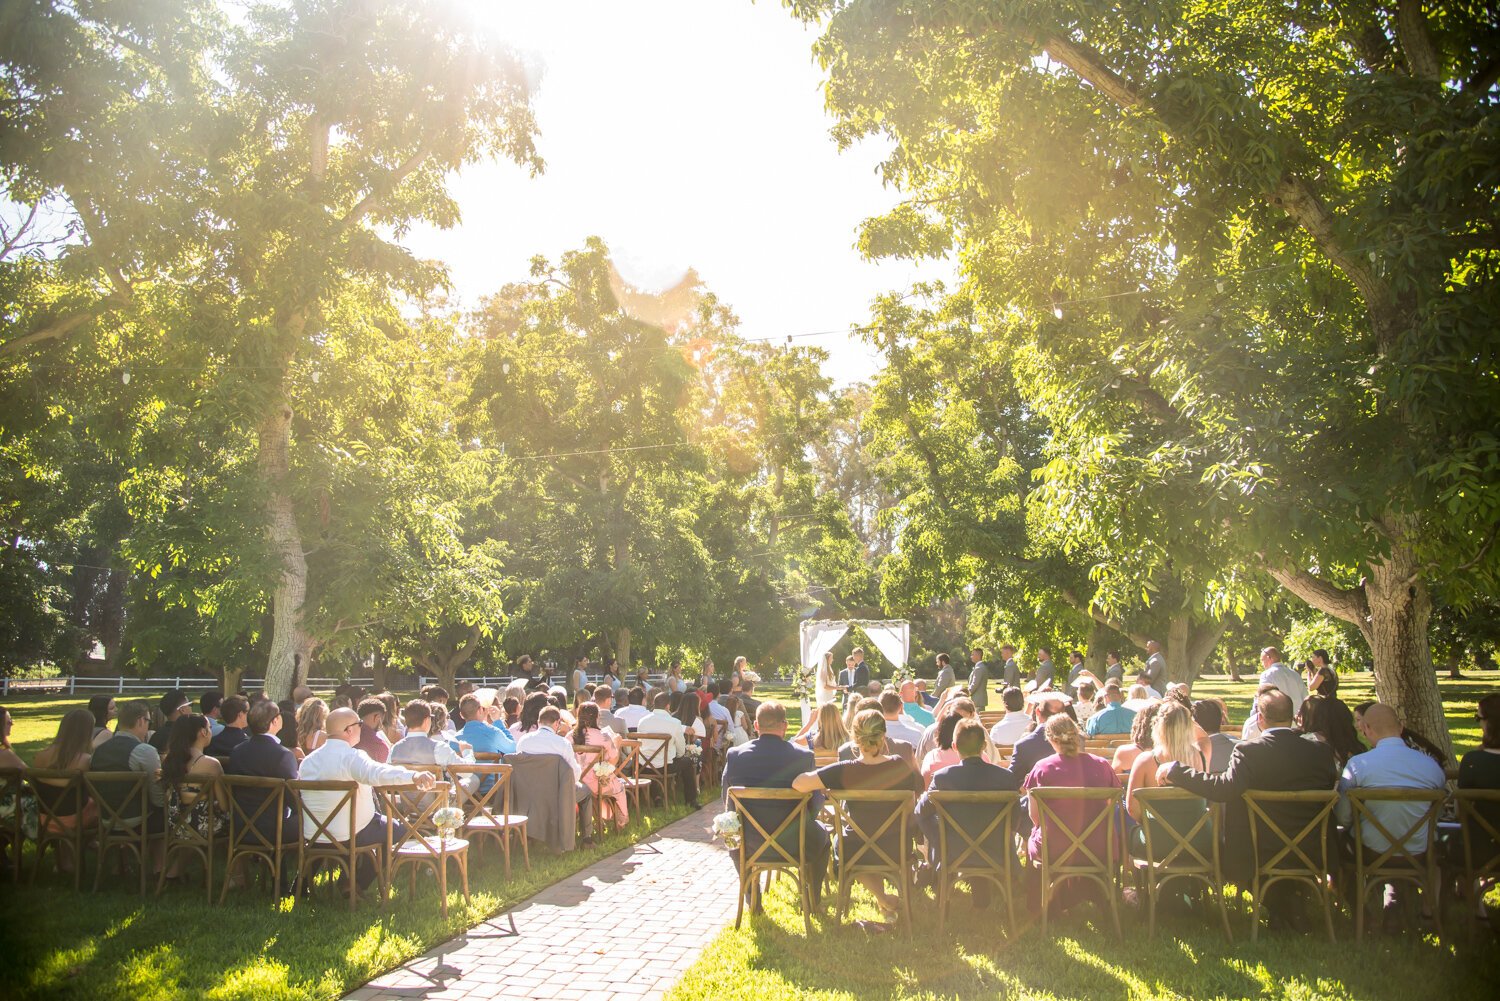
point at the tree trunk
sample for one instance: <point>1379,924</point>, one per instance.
<point>1400,607</point>
<point>230,676</point>
<point>1178,647</point>
<point>1231,665</point>
<point>287,636</point>
<point>622,648</point>
<point>1093,660</point>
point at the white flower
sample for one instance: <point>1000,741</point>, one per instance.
<point>449,818</point>
<point>727,823</point>
<point>603,771</point>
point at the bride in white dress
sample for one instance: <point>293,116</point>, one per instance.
<point>827,682</point>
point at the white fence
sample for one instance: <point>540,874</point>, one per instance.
<point>148,686</point>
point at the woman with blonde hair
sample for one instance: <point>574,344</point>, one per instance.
<point>310,719</point>
<point>873,769</point>
<point>1070,767</point>
<point>70,750</point>
<point>825,731</point>
<point>1173,738</point>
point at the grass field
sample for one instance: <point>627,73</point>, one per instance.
<point>60,945</point>
<point>770,957</point>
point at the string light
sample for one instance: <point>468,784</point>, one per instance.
<point>125,377</point>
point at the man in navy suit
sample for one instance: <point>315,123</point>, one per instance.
<point>971,774</point>
<point>770,762</point>
<point>264,756</point>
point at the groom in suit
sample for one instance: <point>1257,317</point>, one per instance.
<point>854,679</point>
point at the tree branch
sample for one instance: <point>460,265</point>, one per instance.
<point>1096,613</point>
<point>1347,604</point>
<point>370,202</point>
<point>1416,41</point>
<point>1481,83</point>
<point>55,330</point>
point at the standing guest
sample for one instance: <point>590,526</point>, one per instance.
<point>1141,739</point>
<point>1114,670</point>
<point>235,730</point>
<point>979,680</point>
<point>737,674</point>
<point>482,730</point>
<point>172,705</point>
<point>1035,746</point>
<point>1114,718</point>
<point>604,699</point>
<point>1068,766</point>
<point>609,792</point>
<point>102,708</point>
<point>1316,668</point>
<point>1015,724</point>
<point>1209,715</point>
<point>1156,667</point>
<point>632,714</point>
<point>578,680</point>
<point>339,759</point>
<point>771,762</point>
<point>873,769</point>
<point>612,674</point>
<point>1279,675</point>
<point>1317,719</point>
<point>853,679</point>
<point>1279,759</point>
<point>208,706</point>
<point>311,719</point>
<point>972,773</point>
<point>945,679</point>
<point>1045,673</point>
<point>525,671</point>
<point>1388,764</point>
<point>896,727</point>
<point>1075,670</point>
<point>660,720</point>
<point>912,708</point>
<point>551,737</point>
<point>1010,671</point>
<point>371,735</point>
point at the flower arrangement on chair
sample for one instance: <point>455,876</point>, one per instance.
<point>693,753</point>
<point>727,828</point>
<point>604,771</point>
<point>448,820</point>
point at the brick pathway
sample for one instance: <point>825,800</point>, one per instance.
<point>626,927</point>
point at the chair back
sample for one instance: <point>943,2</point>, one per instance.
<point>1402,855</point>
<point>322,826</point>
<point>12,785</point>
<point>256,808</point>
<point>1065,847</point>
<point>492,792</point>
<point>629,765</point>
<point>964,847</point>
<point>654,748</point>
<point>414,808</point>
<point>859,844</point>
<point>180,829</point>
<point>1479,823</point>
<point>822,757</point>
<point>588,755</point>
<point>122,798</point>
<point>770,848</point>
<point>1301,855</point>
<point>1178,837</point>
<point>488,757</point>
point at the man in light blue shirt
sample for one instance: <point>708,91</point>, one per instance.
<point>1388,764</point>
<point>911,705</point>
<point>1114,718</point>
<point>481,730</point>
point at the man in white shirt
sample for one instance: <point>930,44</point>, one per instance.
<point>550,737</point>
<point>1015,724</point>
<point>659,720</point>
<point>1279,676</point>
<point>632,714</point>
<point>896,725</point>
<point>338,760</point>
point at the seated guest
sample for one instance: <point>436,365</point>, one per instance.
<point>1114,718</point>
<point>1388,764</point>
<point>172,705</point>
<point>873,769</point>
<point>1209,715</point>
<point>716,706</point>
<point>300,694</point>
<point>390,720</point>
<point>372,729</point>
<point>263,755</point>
<point>946,753</point>
<point>632,714</point>
<point>610,792</point>
<point>481,730</point>
<point>1319,718</point>
<point>927,698</point>
<point>748,702</point>
<point>551,737</point>
<point>1480,769</point>
<point>1140,738</point>
<point>234,732</point>
<point>1034,746</point>
<point>69,751</point>
<point>913,708</point>
<point>531,712</point>
<point>1412,739</point>
<point>824,731</point>
<point>1015,724</point>
<point>1085,708</point>
<point>897,728</point>
<point>900,748</point>
<point>956,700</point>
<point>339,759</point>
<point>8,757</point>
<point>661,720</point>
<point>127,750</point>
<point>770,761</point>
<point>1172,740</point>
<point>971,774</point>
<point>420,747</point>
<point>510,711</point>
<point>208,706</point>
<point>311,717</point>
<point>604,698</point>
<point>185,760</point>
<point>102,708</point>
<point>1279,760</point>
<point>1068,766</point>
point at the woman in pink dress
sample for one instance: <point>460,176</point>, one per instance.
<point>610,793</point>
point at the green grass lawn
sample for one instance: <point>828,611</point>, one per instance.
<point>113,944</point>
<point>1080,958</point>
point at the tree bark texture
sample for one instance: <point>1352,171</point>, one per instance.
<point>288,639</point>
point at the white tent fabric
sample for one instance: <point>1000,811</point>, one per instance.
<point>818,637</point>
<point>892,638</point>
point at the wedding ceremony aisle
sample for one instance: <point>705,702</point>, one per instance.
<point>627,927</point>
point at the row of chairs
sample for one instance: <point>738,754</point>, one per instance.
<point>774,825</point>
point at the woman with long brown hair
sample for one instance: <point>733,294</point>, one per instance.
<point>610,792</point>
<point>310,720</point>
<point>70,750</point>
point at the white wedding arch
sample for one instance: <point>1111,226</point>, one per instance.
<point>892,637</point>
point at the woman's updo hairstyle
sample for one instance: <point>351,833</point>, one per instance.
<point>1062,733</point>
<point>869,730</point>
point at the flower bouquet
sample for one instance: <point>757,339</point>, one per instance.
<point>693,753</point>
<point>447,820</point>
<point>603,771</point>
<point>802,684</point>
<point>727,828</point>
<point>902,675</point>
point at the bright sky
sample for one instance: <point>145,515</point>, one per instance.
<point>685,133</point>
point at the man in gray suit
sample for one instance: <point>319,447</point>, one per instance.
<point>1075,668</point>
<point>1156,666</point>
<point>945,679</point>
<point>1011,670</point>
<point>979,680</point>
<point>1044,671</point>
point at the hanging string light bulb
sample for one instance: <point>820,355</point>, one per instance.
<point>125,377</point>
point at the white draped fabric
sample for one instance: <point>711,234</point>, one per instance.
<point>891,638</point>
<point>818,637</point>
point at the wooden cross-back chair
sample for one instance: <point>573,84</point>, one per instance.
<point>860,852</point>
<point>588,756</point>
<point>258,828</point>
<point>1287,858</point>
<point>1075,858</point>
<point>1479,828</point>
<point>322,847</point>
<point>181,837</point>
<point>124,818</point>
<point>61,820</point>
<point>479,806</point>
<point>629,770</point>
<point>420,843</point>
<point>652,762</point>
<point>1398,863</point>
<point>772,854</point>
<point>1173,852</point>
<point>715,751</point>
<point>12,825</point>
<point>969,855</point>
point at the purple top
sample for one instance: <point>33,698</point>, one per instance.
<point>1084,770</point>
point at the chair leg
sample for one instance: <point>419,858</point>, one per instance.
<point>1152,888</point>
<point>1256,892</point>
<point>525,848</point>
<point>1218,893</point>
<point>1327,896</point>
<point>1361,894</point>
<point>739,904</point>
<point>463,870</point>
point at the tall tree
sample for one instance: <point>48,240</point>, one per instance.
<point>1265,231</point>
